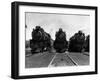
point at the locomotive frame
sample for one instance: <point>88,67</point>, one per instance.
<point>15,39</point>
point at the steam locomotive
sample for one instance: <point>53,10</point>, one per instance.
<point>77,42</point>
<point>40,40</point>
<point>60,43</point>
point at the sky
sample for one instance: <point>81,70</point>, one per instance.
<point>70,23</point>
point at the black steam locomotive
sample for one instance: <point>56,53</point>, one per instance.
<point>87,44</point>
<point>76,42</point>
<point>41,41</point>
<point>60,43</point>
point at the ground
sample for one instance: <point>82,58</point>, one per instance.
<point>47,59</point>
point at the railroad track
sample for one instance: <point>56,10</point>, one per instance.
<point>65,58</point>
<point>72,60</point>
<point>57,59</point>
